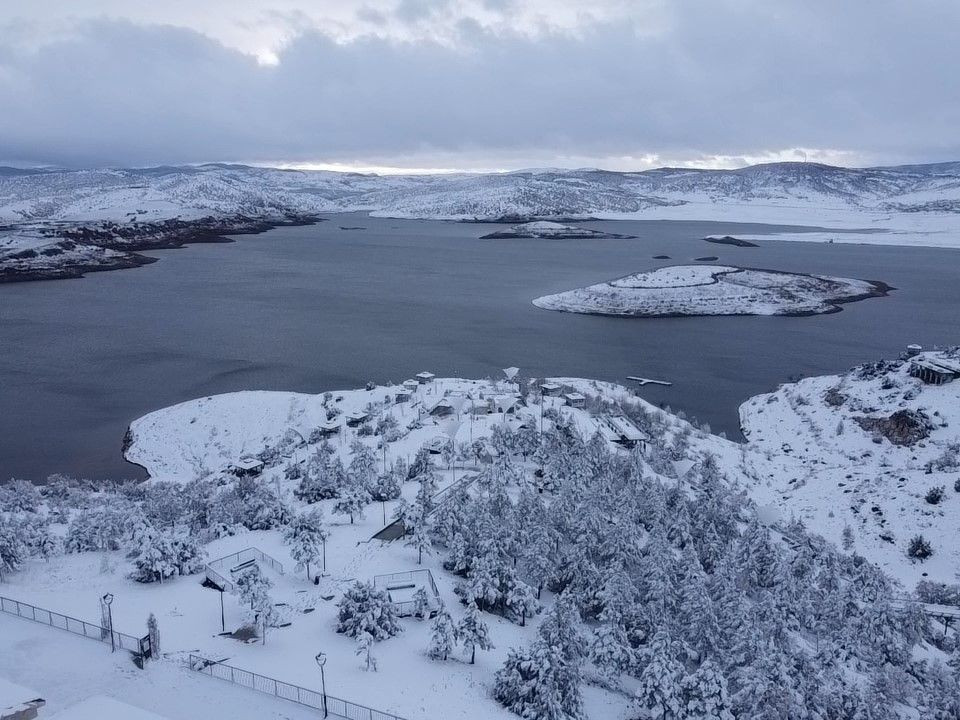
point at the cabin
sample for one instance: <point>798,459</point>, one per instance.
<point>626,434</point>
<point>935,369</point>
<point>424,377</point>
<point>411,385</point>
<point>403,395</point>
<point>357,417</point>
<point>575,400</point>
<point>442,408</point>
<point>435,445</point>
<point>913,350</point>
<point>247,467</point>
<point>328,428</point>
<point>550,389</point>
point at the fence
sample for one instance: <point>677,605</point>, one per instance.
<point>334,706</point>
<point>417,577</point>
<point>234,559</point>
<point>138,646</point>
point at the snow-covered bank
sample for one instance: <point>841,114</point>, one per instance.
<point>687,290</point>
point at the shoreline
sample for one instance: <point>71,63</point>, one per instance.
<point>120,247</point>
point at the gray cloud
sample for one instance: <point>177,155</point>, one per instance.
<point>730,77</point>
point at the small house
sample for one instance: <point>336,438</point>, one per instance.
<point>357,417</point>
<point>575,400</point>
<point>550,389</point>
<point>329,427</point>
<point>424,377</point>
<point>506,404</point>
<point>913,349</point>
<point>411,385</point>
<point>247,467</point>
<point>435,445</point>
<point>442,408</point>
<point>403,395</point>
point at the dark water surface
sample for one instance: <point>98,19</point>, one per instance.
<point>317,308</point>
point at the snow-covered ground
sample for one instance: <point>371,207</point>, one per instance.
<point>712,290</point>
<point>551,230</point>
<point>810,456</point>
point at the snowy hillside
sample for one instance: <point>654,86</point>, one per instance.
<point>864,450</point>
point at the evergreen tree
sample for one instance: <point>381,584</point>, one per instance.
<point>253,587</point>
<point>443,636</point>
<point>306,536</point>
<point>705,694</point>
<point>660,690</point>
<point>322,477</point>
<point>362,470</point>
<point>365,651</point>
<point>156,557</point>
<point>538,684</point>
<point>353,499</point>
<point>473,632</point>
<point>364,608</point>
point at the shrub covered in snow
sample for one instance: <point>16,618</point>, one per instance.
<point>364,608</point>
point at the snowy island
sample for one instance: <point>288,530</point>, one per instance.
<point>546,229</point>
<point>684,290</point>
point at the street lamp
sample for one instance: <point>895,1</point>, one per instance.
<point>108,601</point>
<point>321,659</point>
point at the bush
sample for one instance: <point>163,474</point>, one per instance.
<point>956,485</point>
<point>934,495</point>
<point>919,548</point>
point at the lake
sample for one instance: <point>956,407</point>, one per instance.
<point>321,308</point>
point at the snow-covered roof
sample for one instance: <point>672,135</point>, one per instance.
<point>626,429</point>
<point>333,424</point>
<point>426,375</point>
<point>248,463</point>
<point>358,415</point>
<point>550,386</point>
<point>575,396</point>
<point>101,707</point>
<point>410,384</point>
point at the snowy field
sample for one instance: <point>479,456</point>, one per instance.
<point>712,290</point>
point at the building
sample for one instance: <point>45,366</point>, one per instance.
<point>411,385</point>
<point>914,349</point>
<point>247,467</point>
<point>506,404</point>
<point>329,427</point>
<point>442,408</point>
<point>627,434</point>
<point>935,369</point>
<point>403,395</point>
<point>357,417</point>
<point>550,389</point>
<point>575,400</point>
<point>424,377</point>
<point>435,445</point>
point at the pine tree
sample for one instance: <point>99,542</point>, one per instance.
<point>473,632</point>
<point>520,600</point>
<point>611,652</point>
<point>253,586</point>
<point>705,694</point>
<point>660,692</point>
<point>362,470</point>
<point>306,536</point>
<point>421,603</point>
<point>353,499</point>
<point>539,683</point>
<point>156,557</point>
<point>421,533</point>
<point>322,477</point>
<point>443,636</point>
<point>364,608</point>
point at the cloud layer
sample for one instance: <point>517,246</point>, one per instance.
<point>709,82</point>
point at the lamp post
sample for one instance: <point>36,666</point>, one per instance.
<point>321,659</point>
<point>108,601</point>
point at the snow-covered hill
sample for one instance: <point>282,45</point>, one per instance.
<point>158,193</point>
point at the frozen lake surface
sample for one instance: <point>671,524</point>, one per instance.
<point>316,308</point>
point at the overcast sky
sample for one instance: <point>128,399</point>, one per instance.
<point>478,84</point>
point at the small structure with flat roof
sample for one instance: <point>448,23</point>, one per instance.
<point>441,408</point>
<point>551,389</point>
<point>626,433</point>
<point>435,445</point>
<point>934,368</point>
<point>247,466</point>
<point>575,399</point>
<point>357,417</point>
<point>402,587</point>
<point>424,377</point>
<point>402,395</point>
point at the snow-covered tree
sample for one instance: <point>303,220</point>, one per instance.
<point>362,469</point>
<point>322,478</point>
<point>705,694</point>
<point>660,690</point>
<point>253,587</point>
<point>473,632</point>
<point>421,603</point>
<point>156,557</point>
<point>365,650</point>
<point>306,537</point>
<point>364,608</point>
<point>443,636</point>
<point>354,497</point>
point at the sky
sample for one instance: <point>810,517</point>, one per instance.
<point>440,85</point>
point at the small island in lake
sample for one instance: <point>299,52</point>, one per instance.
<point>729,240</point>
<point>682,290</point>
<point>553,230</point>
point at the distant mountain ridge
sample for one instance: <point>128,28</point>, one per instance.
<point>223,190</point>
